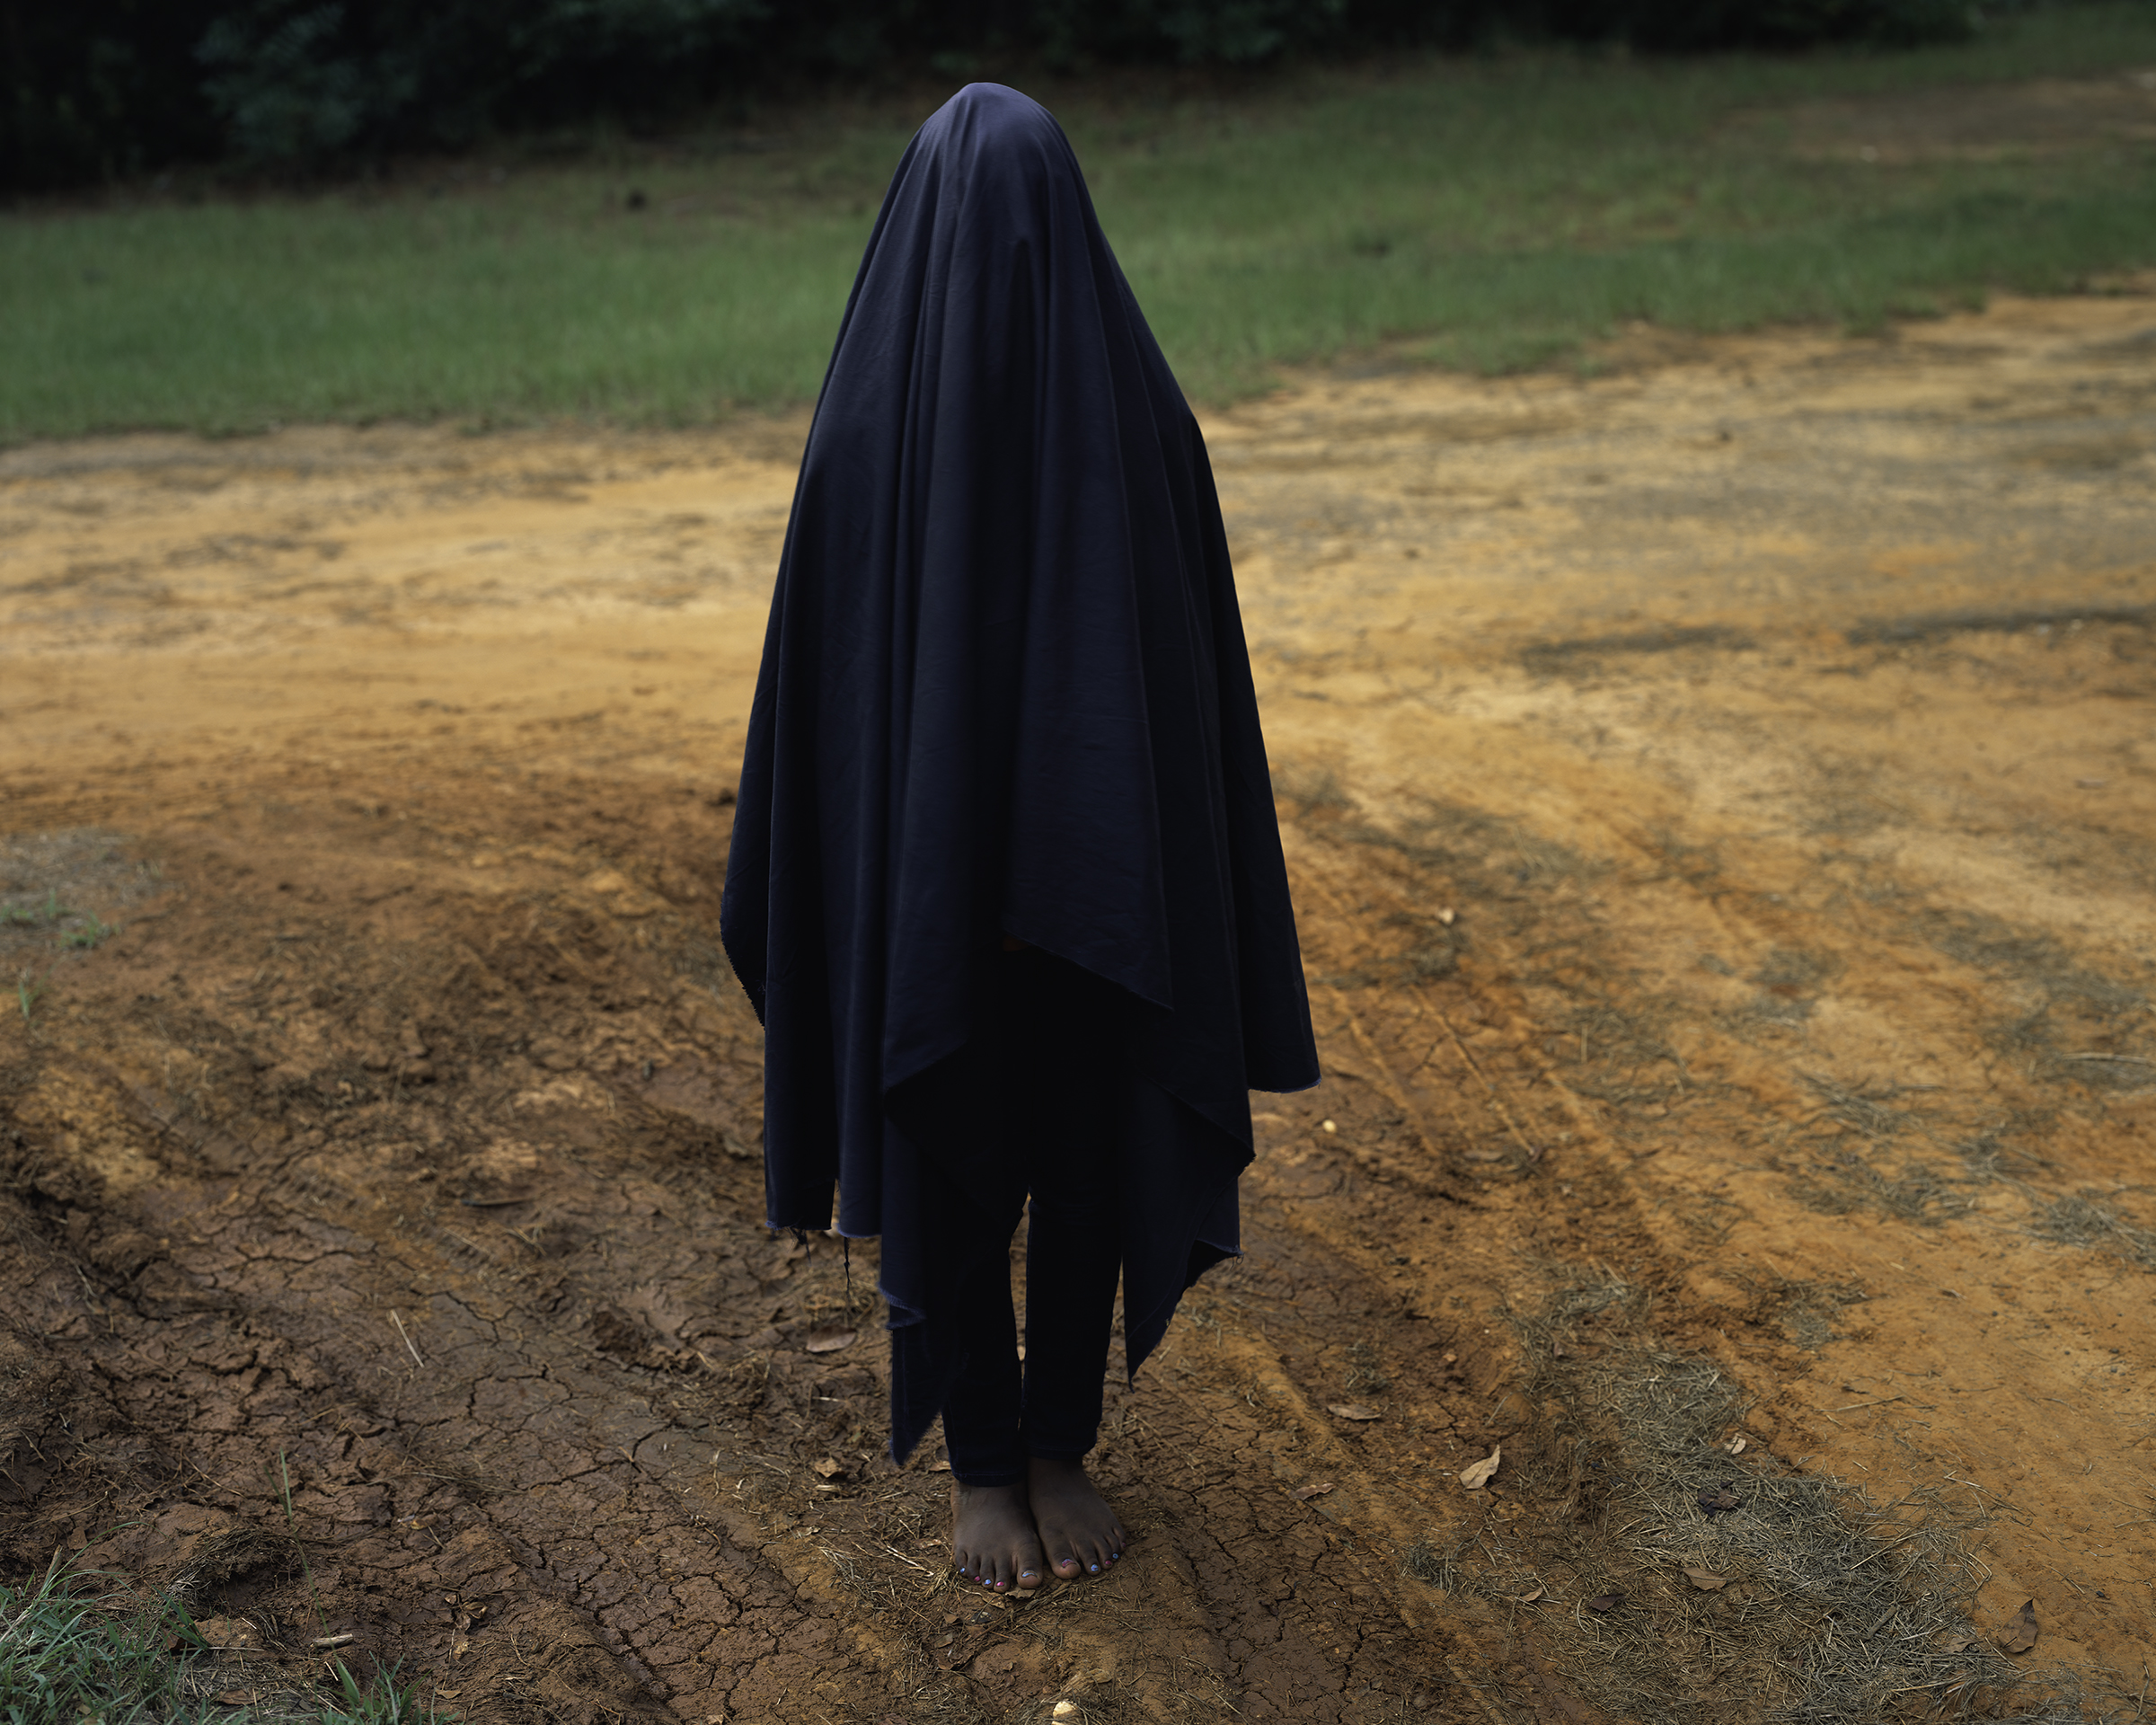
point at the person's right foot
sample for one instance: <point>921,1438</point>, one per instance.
<point>1078,1533</point>
<point>992,1541</point>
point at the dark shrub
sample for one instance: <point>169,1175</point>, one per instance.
<point>95,88</point>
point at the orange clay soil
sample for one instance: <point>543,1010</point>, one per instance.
<point>1721,798</point>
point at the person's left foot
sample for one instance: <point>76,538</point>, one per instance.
<point>1078,1530</point>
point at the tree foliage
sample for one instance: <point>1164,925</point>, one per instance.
<point>98,89</point>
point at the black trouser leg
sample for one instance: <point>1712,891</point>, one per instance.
<point>1048,1061</point>
<point>1072,1265</point>
<point>982,1411</point>
<point>981,1414</point>
<point>1063,1122</point>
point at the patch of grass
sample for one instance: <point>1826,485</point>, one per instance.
<point>91,934</point>
<point>34,915</point>
<point>389,1704</point>
<point>1493,213</point>
<point>68,1653</point>
<point>65,1655</point>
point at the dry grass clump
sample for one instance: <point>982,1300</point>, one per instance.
<point>2082,1220</point>
<point>1684,1577</point>
<point>1586,656</point>
<point>1865,1148</point>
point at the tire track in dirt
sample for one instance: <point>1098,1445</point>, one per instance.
<point>488,1305</point>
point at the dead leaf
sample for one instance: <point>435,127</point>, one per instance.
<point>228,1633</point>
<point>1447,916</point>
<point>939,1467</point>
<point>1478,1474</point>
<point>1718,1501</point>
<point>232,1698</point>
<point>2021,1632</point>
<point>1605,1602</point>
<point>1483,1155</point>
<point>1316,1489</point>
<point>829,1341</point>
<point>1706,1580</point>
<point>1064,1710</point>
<point>1526,1599</point>
<point>1354,1411</point>
<point>1736,1445</point>
<point>829,1469</point>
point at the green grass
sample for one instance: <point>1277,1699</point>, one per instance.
<point>1491,213</point>
<point>67,1655</point>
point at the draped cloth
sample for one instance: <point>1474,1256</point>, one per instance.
<point>1005,693</point>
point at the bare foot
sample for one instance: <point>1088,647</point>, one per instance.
<point>1078,1530</point>
<point>991,1537</point>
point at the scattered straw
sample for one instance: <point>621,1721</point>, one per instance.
<point>1825,1607</point>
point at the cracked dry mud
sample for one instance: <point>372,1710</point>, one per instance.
<point>1719,795</point>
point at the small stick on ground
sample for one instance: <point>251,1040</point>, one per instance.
<point>409,1349</point>
<point>1495,1101</point>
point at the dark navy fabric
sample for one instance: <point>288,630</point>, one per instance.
<point>1004,690</point>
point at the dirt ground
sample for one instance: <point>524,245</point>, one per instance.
<point>1721,799</point>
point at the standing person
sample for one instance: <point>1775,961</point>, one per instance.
<point>1005,884</point>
